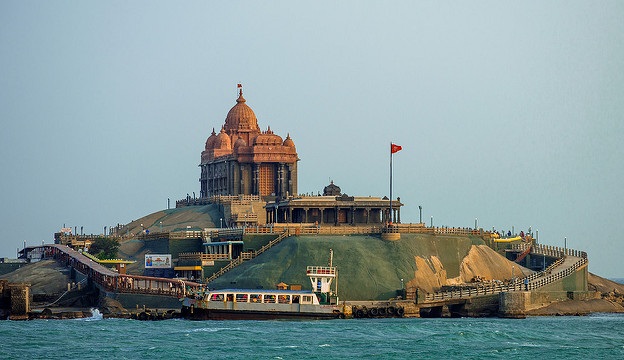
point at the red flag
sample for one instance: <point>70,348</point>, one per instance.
<point>395,148</point>
<point>239,85</point>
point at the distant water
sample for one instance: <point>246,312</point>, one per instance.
<point>618,280</point>
<point>594,336</point>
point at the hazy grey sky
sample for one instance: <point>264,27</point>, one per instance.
<point>509,112</point>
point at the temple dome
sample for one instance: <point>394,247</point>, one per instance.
<point>239,142</point>
<point>331,189</point>
<point>289,142</point>
<point>241,117</point>
<point>268,138</point>
<point>211,140</point>
<point>223,141</point>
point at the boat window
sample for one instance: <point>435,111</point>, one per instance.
<point>241,297</point>
<point>256,298</point>
<point>269,298</point>
<point>216,297</point>
<point>295,299</point>
<point>230,297</point>
<point>283,299</point>
<point>306,299</point>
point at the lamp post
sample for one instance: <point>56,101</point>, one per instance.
<point>476,223</point>
<point>161,226</point>
<point>221,221</point>
<point>420,210</point>
<point>565,244</point>
<point>513,267</point>
<point>431,221</point>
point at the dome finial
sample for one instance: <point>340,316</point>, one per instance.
<point>240,91</point>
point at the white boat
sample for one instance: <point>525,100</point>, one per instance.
<point>257,304</point>
<point>260,304</point>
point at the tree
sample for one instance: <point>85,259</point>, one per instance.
<point>104,248</point>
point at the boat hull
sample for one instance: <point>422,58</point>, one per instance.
<point>193,313</point>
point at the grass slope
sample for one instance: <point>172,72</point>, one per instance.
<point>369,268</point>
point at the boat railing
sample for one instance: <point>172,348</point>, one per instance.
<point>320,270</point>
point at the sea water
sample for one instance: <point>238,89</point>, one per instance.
<point>596,336</point>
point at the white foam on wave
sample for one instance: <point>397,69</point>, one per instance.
<point>95,315</point>
<point>216,329</point>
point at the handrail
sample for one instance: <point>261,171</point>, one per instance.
<point>535,280</point>
<point>112,281</point>
<point>247,256</point>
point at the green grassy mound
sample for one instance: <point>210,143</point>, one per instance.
<point>369,268</point>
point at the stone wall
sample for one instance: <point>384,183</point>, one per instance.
<point>132,301</point>
<point>518,303</point>
<point>20,299</point>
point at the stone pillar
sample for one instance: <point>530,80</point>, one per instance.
<point>20,300</point>
<point>291,178</point>
<point>281,180</point>
<point>254,179</point>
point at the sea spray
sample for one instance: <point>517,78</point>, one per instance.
<point>95,315</point>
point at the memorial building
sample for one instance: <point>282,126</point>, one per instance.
<point>243,160</point>
<point>253,174</point>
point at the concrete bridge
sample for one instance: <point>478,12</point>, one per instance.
<point>129,290</point>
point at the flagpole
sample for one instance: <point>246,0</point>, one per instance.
<point>390,184</point>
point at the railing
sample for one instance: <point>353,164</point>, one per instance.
<point>227,232</point>
<point>248,255</point>
<point>272,243</point>
<point>320,270</point>
<point>523,254</point>
<point>552,251</point>
<point>112,281</point>
<point>235,199</point>
<point>245,217</point>
<point>234,263</point>
<point>310,229</point>
<point>189,234</point>
<point>535,280</point>
<point>218,199</point>
<point>198,256</point>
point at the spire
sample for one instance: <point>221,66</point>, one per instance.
<point>240,93</point>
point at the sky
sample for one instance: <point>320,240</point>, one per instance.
<point>509,113</point>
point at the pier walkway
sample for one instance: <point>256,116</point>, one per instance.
<point>109,280</point>
<point>568,262</point>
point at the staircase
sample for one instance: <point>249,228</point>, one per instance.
<point>248,256</point>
